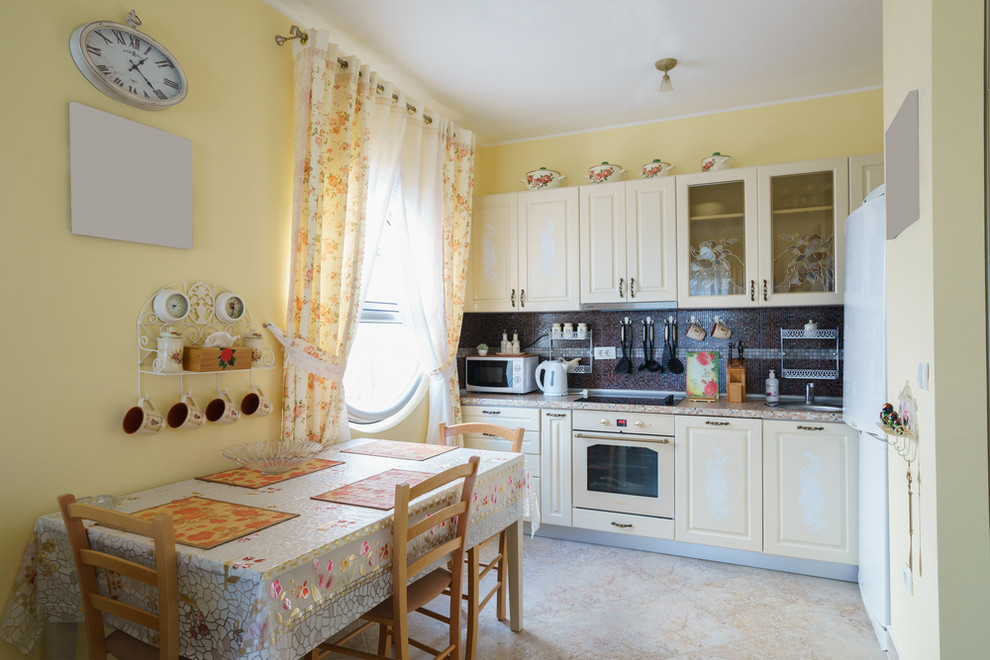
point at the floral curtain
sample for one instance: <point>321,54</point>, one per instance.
<point>342,178</point>
<point>437,185</point>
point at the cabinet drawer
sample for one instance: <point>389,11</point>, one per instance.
<point>622,523</point>
<point>528,418</point>
<point>530,443</point>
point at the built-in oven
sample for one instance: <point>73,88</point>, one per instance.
<point>623,462</point>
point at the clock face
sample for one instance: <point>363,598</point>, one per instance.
<point>128,65</point>
<point>229,307</point>
<point>177,305</point>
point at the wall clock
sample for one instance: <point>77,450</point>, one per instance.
<point>171,306</point>
<point>128,65</point>
<point>229,307</point>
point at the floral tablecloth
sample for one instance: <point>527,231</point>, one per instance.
<point>276,593</point>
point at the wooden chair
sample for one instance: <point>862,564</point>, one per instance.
<point>165,622</point>
<point>477,569</point>
<point>392,615</point>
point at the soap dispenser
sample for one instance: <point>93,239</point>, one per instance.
<point>773,388</point>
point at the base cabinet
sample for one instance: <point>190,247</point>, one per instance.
<point>810,494</point>
<point>555,467</point>
<point>719,482</point>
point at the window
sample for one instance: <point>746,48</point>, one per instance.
<point>383,370</point>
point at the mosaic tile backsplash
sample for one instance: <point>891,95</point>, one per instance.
<point>758,330</point>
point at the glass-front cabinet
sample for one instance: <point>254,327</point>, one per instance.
<point>717,238</point>
<point>803,208</point>
<point>762,235</point>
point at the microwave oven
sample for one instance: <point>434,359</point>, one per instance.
<point>500,373</point>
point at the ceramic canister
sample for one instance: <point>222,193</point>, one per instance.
<point>543,178</point>
<point>716,161</point>
<point>656,168</point>
<point>604,172</point>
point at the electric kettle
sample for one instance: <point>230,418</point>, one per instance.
<point>551,377</point>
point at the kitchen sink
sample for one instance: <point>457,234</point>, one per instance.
<point>800,405</point>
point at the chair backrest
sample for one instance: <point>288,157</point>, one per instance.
<point>163,576</point>
<point>404,534</point>
<point>515,436</point>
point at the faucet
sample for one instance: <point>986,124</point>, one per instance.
<point>809,393</point>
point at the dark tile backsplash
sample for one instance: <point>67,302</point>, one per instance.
<point>758,329</point>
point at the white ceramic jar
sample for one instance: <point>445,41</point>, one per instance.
<point>543,178</point>
<point>605,172</point>
<point>656,168</point>
<point>170,345</point>
<point>716,161</point>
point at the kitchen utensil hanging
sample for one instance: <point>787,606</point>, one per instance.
<point>652,364</point>
<point>674,365</point>
<point>646,354</point>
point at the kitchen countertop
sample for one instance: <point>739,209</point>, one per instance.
<point>754,409</point>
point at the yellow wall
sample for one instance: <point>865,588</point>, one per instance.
<point>70,303</point>
<point>845,125</point>
<point>936,284</point>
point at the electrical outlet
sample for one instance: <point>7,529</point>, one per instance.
<point>923,375</point>
<point>604,352</point>
<point>908,579</point>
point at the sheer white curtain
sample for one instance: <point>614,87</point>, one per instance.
<point>437,179</point>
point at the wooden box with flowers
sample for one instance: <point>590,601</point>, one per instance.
<point>215,358</point>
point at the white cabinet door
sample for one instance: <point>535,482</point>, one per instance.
<point>494,266</point>
<point>719,482</point>
<point>651,245</point>
<point>628,246</point>
<point>717,238</point>
<point>810,490</point>
<point>555,467</point>
<point>548,251</point>
<point>865,174</point>
<point>802,213</point>
<point>603,243</point>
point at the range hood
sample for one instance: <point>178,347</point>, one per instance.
<point>628,306</point>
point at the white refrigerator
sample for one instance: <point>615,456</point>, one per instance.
<point>864,390</point>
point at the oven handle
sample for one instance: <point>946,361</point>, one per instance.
<point>622,436</point>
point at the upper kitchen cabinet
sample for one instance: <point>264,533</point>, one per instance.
<point>865,174</point>
<point>803,208</point>
<point>717,238</point>
<point>524,252</point>
<point>628,248</point>
<point>763,236</point>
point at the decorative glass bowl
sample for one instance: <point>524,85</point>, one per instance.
<point>273,457</point>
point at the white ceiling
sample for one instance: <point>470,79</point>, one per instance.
<point>515,70</point>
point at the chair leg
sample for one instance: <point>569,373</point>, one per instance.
<point>473,589</point>
<point>503,549</point>
<point>383,639</point>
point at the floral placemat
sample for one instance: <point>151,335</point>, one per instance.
<point>377,492</point>
<point>205,523</point>
<point>412,451</point>
<point>248,478</point>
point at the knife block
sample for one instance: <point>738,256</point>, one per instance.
<point>736,384</point>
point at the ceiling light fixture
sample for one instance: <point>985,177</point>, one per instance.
<point>665,65</point>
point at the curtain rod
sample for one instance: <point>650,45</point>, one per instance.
<point>296,33</point>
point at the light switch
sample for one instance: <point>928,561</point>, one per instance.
<point>923,375</point>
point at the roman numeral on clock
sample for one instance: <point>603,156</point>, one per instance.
<point>93,50</point>
<point>170,83</point>
<point>164,63</point>
<point>101,36</point>
<point>160,94</point>
<point>135,41</point>
<point>104,69</point>
<point>120,37</point>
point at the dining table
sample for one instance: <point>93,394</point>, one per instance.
<point>273,566</point>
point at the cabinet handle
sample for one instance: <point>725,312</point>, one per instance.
<point>522,297</point>
<point>811,428</point>
<point>550,414</point>
<point>623,525</point>
<point>491,412</point>
<point>632,287</point>
<point>711,423</point>
<point>512,297</point>
<point>621,282</point>
<point>764,290</point>
<point>752,290</point>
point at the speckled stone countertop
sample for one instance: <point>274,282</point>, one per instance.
<point>721,408</point>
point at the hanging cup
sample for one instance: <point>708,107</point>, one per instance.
<point>255,403</point>
<point>143,418</point>
<point>222,410</point>
<point>185,414</point>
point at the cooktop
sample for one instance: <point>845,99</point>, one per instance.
<point>661,400</point>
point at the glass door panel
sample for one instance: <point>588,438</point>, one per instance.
<point>717,239</point>
<point>802,233</point>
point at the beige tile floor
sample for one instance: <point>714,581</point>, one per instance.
<point>593,601</point>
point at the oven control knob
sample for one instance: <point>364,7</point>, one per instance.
<point>604,422</point>
<point>639,424</point>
